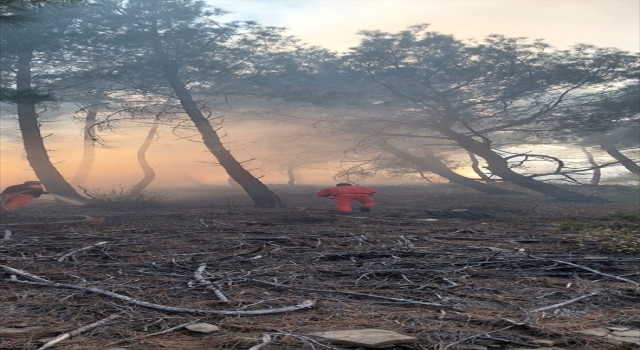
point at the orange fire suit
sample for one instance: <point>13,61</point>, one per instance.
<point>14,197</point>
<point>343,195</point>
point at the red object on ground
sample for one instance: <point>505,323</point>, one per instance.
<point>343,195</point>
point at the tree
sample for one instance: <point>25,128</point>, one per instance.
<point>18,12</point>
<point>89,139</point>
<point>609,123</point>
<point>597,172</point>
<point>176,48</point>
<point>431,163</point>
<point>468,91</point>
<point>27,57</point>
<point>149,173</point>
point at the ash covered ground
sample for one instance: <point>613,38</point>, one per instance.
<point>448,266</point>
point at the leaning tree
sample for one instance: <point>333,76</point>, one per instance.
<point>469,91</point>
<point>610,124</point>
<point>178,50</point>
<point>30,58</point>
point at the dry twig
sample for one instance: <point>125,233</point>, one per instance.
<point>441,306</point>
<point>82,329</point>
<point>208,284</point>
<point>75,251</point>
<point>475,336</point>
<point>43,282</point>
<point>590,270</point>
<point>180,326</point>
<point>571,301</point>
<point>361,240</point>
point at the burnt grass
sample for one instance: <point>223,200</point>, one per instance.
<point>487,263</point>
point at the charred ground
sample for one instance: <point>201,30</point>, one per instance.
<point>489,261</point>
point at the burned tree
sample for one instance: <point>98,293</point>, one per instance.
<point>89,139</point>
<point>178,51</point>
<point>611,124</point>
<point>149,173</point>
<point>430,162</point>
<point>468,91</point>
<point>25,50</point>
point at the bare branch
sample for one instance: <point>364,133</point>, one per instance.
<point>571,301</point>
<point>82,329</point>
<point>75,251</point>
<point>590,270</point>
<point>43,282</point>
<point>208,284</point>
<point>365,295</point>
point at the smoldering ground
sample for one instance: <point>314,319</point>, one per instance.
<point>442,263</point>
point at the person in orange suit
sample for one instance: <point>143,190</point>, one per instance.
<point>343,193</point>
<point>16,196</point>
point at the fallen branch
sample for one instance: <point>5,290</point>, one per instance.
<point>208,284</point>
<point>78,331</point>
<point>86,192</point>
<point>441,306</point>
<point>590,270</point>
<point>43,282</point>
<point>475,336</point>
<point>571,301</point>
<point>75,251</point>
<point>180,326</point>
<point>246,252</point>
<point>24,274</point>
<point>213,221</point>
<point>361,240</point>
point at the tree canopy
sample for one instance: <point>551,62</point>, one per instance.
<point>395,93</point>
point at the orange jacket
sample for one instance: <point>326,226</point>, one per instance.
<point>14,201</point>
<point>338,190</point>
<point>14,197</point>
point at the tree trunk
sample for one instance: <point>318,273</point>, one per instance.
<point>291,175</point>
<point>30,129</point>
<point>262,196</point>
<point>149,173</point>
<point>597,172</point>
<point>613,151</point>
<point>432,164</point>
<point>89,147</point>
<point>500,167</point>
<point>475,165</point>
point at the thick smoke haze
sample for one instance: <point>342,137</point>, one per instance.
<point>395,92</point>
<point>180,159</point>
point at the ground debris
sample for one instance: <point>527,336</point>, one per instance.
<point>611,334</point>
<point>457,281</point>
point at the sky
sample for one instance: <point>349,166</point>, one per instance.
<point>334,24</point>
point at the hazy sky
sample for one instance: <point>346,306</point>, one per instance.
<point>333,23</point>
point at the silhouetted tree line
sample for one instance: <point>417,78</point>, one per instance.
<point>404,99</point>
